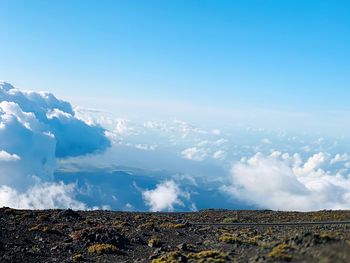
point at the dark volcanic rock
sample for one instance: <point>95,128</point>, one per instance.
<point>69,213</point>
<point>103,236</point>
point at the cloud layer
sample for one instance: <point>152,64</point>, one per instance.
<point>269,176</point>
<point>37,130</point>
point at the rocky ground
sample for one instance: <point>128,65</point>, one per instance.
<point>105,236</point>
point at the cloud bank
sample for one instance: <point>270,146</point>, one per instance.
<point>285,182</point>
<point>164,197</point>
<point>35,129</point>
<point>41,196</point>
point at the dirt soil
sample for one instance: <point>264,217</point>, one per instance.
<point>105,236</point>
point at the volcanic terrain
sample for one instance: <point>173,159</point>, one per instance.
<point>106,236</point>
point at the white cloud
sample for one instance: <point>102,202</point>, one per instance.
<point>219,155</point>
<point>40,113</point>
<point>195,154</point>
<point>287,183</point>
<point>340,158</point>
<point>7,157</point>
<point>216,131</point>
<point>220,142</point>
<point>24,135</point>
<point>178,127</point>
<point>266,141</point>
<point>35,129</point>
<point>202,143</point>
<point>129,207</point>
<point>41,196</point>
<point>125,127</point>
<point>164,197</point>
<point>311,164</point>
<point>146,147</point>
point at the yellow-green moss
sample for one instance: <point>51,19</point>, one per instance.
<point>280,252</point>
<point>229,238</point>
<point>146,226</point>
<point>154,242</point>
<point>102,249</point>
<point>77,257</point>
<point>170,257</point>
<point>208,256</point>
<point>201,257</point>
<point>230,220</point>
<point>120,224</point>
<point>172,225</point>
<point>329,235</point>
<point>253,240</point>
<point>79,234</point>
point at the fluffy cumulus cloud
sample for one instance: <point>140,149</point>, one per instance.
<point>286,182</point>
<point>23,136</point>
<point>195,154</point>
<point>164,197</point>
<point>35,129</point>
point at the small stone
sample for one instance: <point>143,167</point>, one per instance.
<point>154,242</point>
<point>69,213</point>
<point>54,248</point>
<point>182,246</point>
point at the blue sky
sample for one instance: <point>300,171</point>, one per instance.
<point>171,103</point>
<point>281,55</point>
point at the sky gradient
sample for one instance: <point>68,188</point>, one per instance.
<point>277,55</point>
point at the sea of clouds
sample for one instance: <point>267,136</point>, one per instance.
<point>55,156</point>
